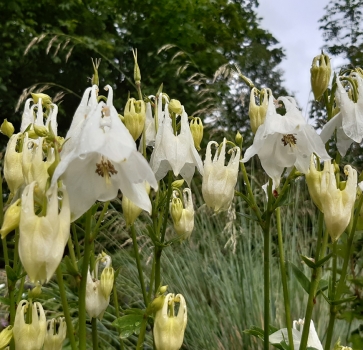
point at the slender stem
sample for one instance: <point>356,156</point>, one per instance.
<point>5,250</point>
<point>72,254</point>
<point>158,252</point>
<point>75,239</point>
<point>117,309</point>
<point>284,279</point>
<point>94,334</point>
<point>63,295</point>
<point>16,249</point>
<point>100,219</point>
<point>151,282</point>
<point>138,263</point>
<point>20,290</point>
<point>314,281</point>
<point>166,210</point>
<point>82,289</point>
<point>140,340</point>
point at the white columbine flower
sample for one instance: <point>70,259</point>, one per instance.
<point>103,160</point>
<point>349,121</point>
<point>56,333</point>
<point>297,328</point>
<point>219,179</point>
<point>171,152</point>
<point>285,141</point>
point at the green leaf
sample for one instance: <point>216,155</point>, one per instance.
<point>323,260</point>
<point>128,324</point>
<point>134,311</point>
<point>308,262</point>
<point>342,301</point>
<point>5,301</point>
<point>10,273</point>
<point>302,279</point>
<point>70,269</point>
<point>323,285</point>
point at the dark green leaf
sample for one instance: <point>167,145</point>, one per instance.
<point>302,279</point>
<point>128,324</point>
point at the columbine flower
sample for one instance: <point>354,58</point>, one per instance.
<point>104,159</point>
<point>183,217</point>
<point>29,336</point>
<point>11,219</point>
<point>349,121</point>
<point>285,141</point>
<point>257,113</point>
<point>336,204</point>
<point>219,180</point>
<point>173,152</point>
<point>168,328</point>
<point>56,333</point>
<point>98,291</point>
<point>43,238</point>
<point>134,117</point>
<point>281,335</point>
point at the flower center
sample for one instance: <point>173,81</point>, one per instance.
<point>105,169</point>
<point>288,139</point>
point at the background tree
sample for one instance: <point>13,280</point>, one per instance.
<point>180,43</point>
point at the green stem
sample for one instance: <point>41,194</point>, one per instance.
<point>82,289</point>
<point>284,279</point>
<point>138,263</point>
<point>100,219</point>
<point>16,249</point>
<point>166,211</point>
<point>72,254</point>
<point>75,239</point>
<point>67,315</point>
<point>140,340</point>
<point>151,282</point>
<point>94,334</point>
<point>158,252</point>
<point>314,281</point>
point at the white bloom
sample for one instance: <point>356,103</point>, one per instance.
<point>56,333</point>
<point>29,336</point>
<point>169,328</point>
<point>171,152</point>
<point>285,141</point>
<point>349,121</point>
<point>103,160</point>
<point>42,238</point>
<point>297,328</point>
<point>219,179</point>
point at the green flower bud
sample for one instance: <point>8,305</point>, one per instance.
<point>107,279</point>
<point>40,130</point>
<point>7,128</point>
<point>196,128</point>
<point>36,291</point>
<point>239,139</point>
<point>175,107</point>
<point>137,73</point>
<point>5,336</point>
<point>320,75</point>
<point>257,113</point>
<point>11,219</point>
<point>134,117</point>
<point>177,183</point>
<point>46,99</point>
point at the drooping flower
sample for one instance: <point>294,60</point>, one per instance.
<point>134,117</point>
<point>336,204</point>
<point>349,121</point>
<point>320,73</point>
<point>257,113</point>
<point>174,152</point>
<point>219,179</point>
<point>285,141</point>
<point>98,291</point>
<point>103,160</point>
<point>169,328</point>
<point>29,336</point>
<point>42,238</point>
<point>11,219</point>
<point>297,328</point>
<point>56,333</point>
<point>183,216</point>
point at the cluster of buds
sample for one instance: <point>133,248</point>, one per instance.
<point>320,73</point>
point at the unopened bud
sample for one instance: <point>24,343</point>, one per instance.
<point>175,107</point>
<point>137,73</point>
<point>36,291</point>
<point>132,211</point>
<point>176,209</point>
<point>177,183</point>
<point>257,113</point>
<point>11,219</point>
<point>239,139</point>
<point>7,128</point>
<point>40,130</point>
<point>46,99</point>
<point>107,279</point>
<point>95,78</point>
<point>320,75</point>
<point>5,336</point>
<point>163,289</point>
<point>134,117</point>
<point>196,128</point>
<point>157,303</point>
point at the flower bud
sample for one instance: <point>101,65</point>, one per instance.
<point>176,209</point>
<point>177,183</point>
<point>40,130</point>
<point>137,73</point>
<point>239,139</point>
<point>46,99</point>
<point>35,292</point>
<point>5,336</point>
<point>169,328</point>
<point>157,303</point>
<point>7,128</point>
<point>320,75</point>
<point>11,219</point>
<point>107,279</point>
<point>337,346</point>
<point>56,333</point>
<point>257,113</point>
<point>196,128</point>
<point>175,107</point>
<point>134,117</point>
<point>29,336</point>
<point>132,211</point>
